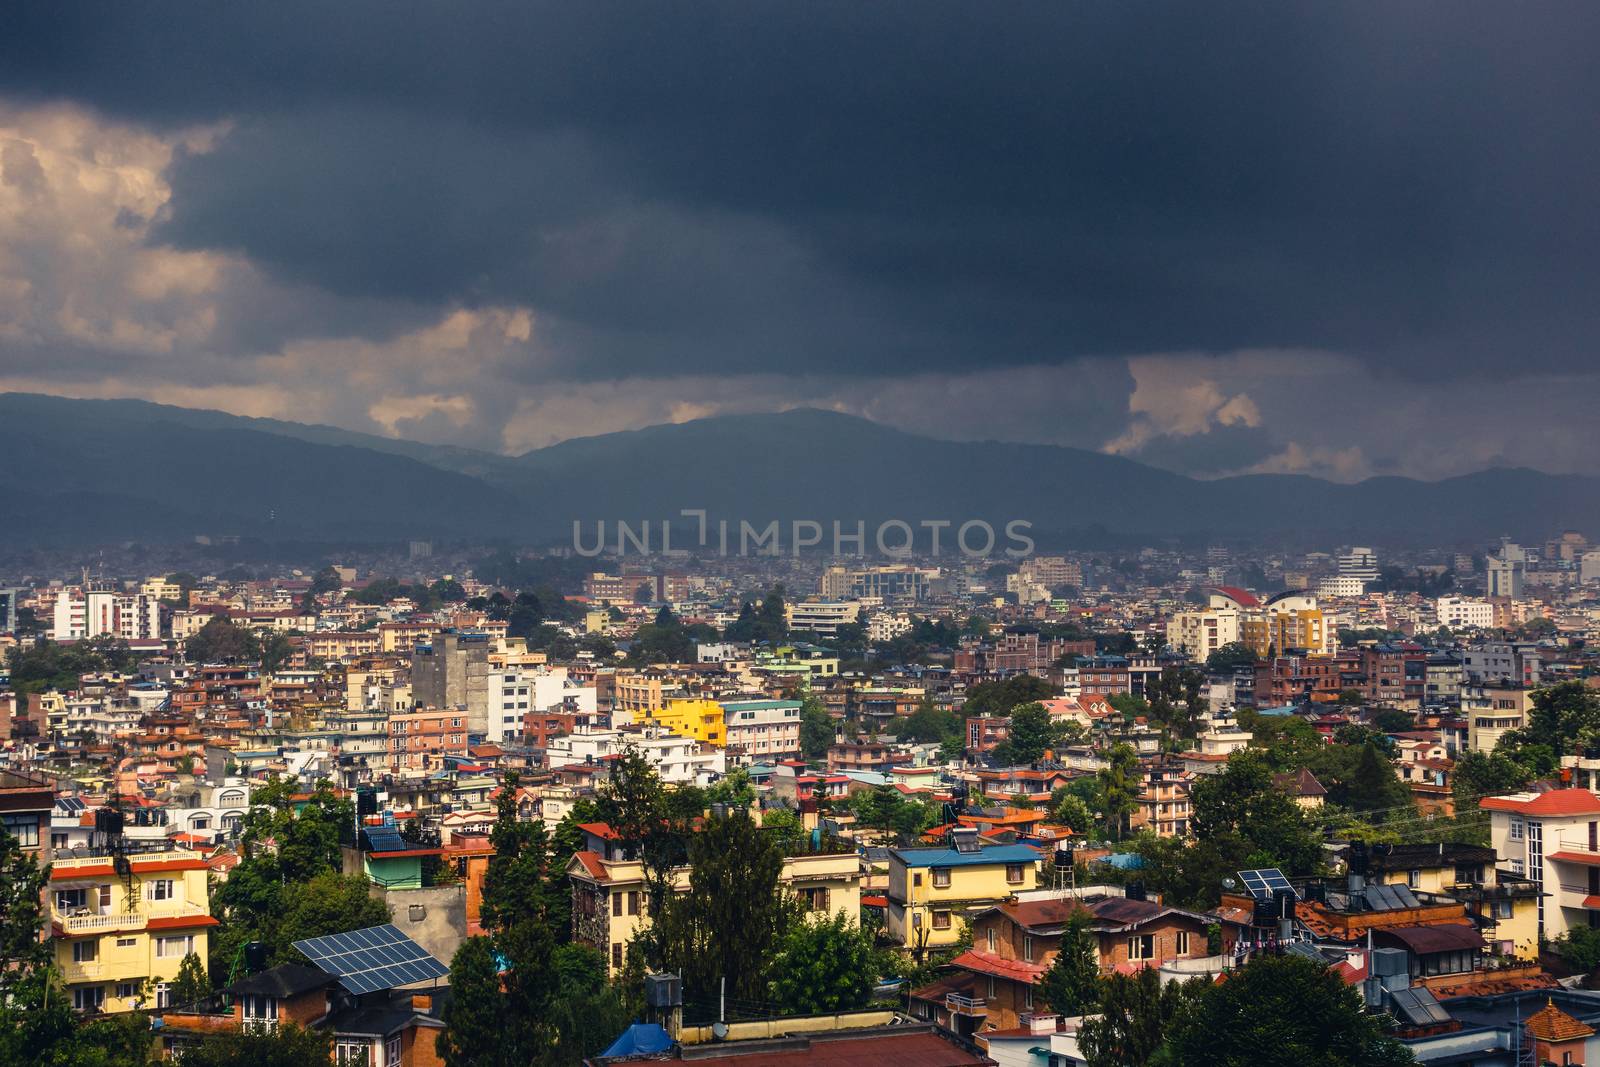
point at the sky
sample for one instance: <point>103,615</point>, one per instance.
<point>1339,239</point>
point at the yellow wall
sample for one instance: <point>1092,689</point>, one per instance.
<point>699,719</point>
<point>125,949</point>
<point>912,907</point>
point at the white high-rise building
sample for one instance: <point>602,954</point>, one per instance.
<point>1360,563</point>
<point>98,612</point>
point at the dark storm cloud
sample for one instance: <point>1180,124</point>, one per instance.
<point>888,187</point>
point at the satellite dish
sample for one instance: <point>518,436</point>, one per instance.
<point>719,1031</point>
<point>1229,883</point>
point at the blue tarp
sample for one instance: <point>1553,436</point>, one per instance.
<point>640,1039</point>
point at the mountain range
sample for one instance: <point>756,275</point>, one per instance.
<point>85,471</point>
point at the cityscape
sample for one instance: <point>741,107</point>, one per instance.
<point>571,535</point>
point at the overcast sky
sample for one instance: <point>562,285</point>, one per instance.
<point>1340,239</point>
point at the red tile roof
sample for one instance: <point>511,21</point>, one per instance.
<point>984,963</point>
<point>1550,1023</point>
<point>1555,802</point>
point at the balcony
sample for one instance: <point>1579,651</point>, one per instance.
<point>81,972</point>
<point>960,1005</point>
<point>125,920</point>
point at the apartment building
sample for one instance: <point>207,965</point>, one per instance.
<point>677,759</point>
<point>452,671</point>
<point>81,614</point>
<point>762,731</point>
<point>932,891</point>
<point>610,907</point>
<point>1459,613</point>
<point>822,617</point>
<point>1492,709</point>
<point>1553,840</point>
<point>421,739</point>
<point>115,930</point>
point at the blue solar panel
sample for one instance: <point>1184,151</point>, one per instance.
<point>385,839</point>
<point>379,957</point>
<point>1265,882</point>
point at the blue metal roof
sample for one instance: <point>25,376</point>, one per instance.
<point>949,857</point>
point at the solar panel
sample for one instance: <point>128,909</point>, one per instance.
<point>1264,883</point>
<point>1418,1007</point>
<point>385,839</point>
<point>379,957</point>
<point>69,804</point>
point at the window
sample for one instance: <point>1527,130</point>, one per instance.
<point>391,1051</point>
<point>941,920</point>
<point>127,942</point>
<point>127,990</point>
<point>1516,867</point>
<point>1142,947</point>
<point>105,897</point>
<point>616,904</point>
<point>174,947</point>
<point>991,987</point>
<point>616,955</point>
<point>941,877</point>
<point>85,951</point>
<point>633,902</point>
<point>259,1009</point>
<point>1502,909</point>
<point>1027,947</point>
<point>1027,998</point>
<point>1180,943</point>
<point>158,889</point>
<point>991,939</point>
<point>1414,879</point>
<point>352,1054</point>
<point>71,899</point>
<point>25,828</point>
<point>89,998</point>
<point>1516,828</point>
<point>1013,874</point>
<point>916,879</point>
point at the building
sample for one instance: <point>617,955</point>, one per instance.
<point>421,739</point>
<point>699,719</point>
<point>517,692</point>
<point>1502,661</point>
<point>26,801</point>
<point>822,617</point>
<point>1492,709</point>
<point>1014,943</point>
<point>452,671</point>
<point>114,931</point>
<point>678,760</point>
<point>762,731</point>
<point>932,891</point>
<point>1505,577</point>
<point>1553,840</point>
<point>1459,613</point>
<point>9,609</point>
<point>1360,563</point>
<point>1275,625</point>
<point>104,613</point>
<point>610,905</point>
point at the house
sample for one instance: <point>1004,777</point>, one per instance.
<point>119,922</point>
<point>1302,787</point>
<point>610,897</point>
<point>1553,839</point>
<point>1015,942</point>
<point>375,991</point>
<point>930,889</point>
<point>1503,905</point>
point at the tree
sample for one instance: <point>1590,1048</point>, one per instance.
<point>1029,736</point>
<point>999,697</point>
<point>1564,718</point>
<point>1231,657</point>
<point>191,985</point>
<point>287,1046</point>
<point>329,903</point>
<point>928,725</point>
<point>733,789</point>
<point>1070,810</point>
<point>586,1013</point>
<point>732,917</point>
<point>1242,803</point>
<point>1281,1011</point>
<point>1579,948</point>
<point>276,650</point>
<point>220,641</point>
<point>474,1017</point>
<point>1131,1019</point>
<point>816,729</point>
<point>1119,784</point>
<point>823,965</point>
<point>1072,985</point>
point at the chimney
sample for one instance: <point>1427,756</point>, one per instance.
<point>422,1003</point>
<point>1040,1022</point>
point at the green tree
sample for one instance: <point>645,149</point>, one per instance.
<point>220,641</point>
<point>1073,984</point>
<point>276,650</point>
<point>474,1017</point>
<point>999,697</point>
<point>816,729</point>
<point>928,725</point>
<point>586,1012</point>
<point>823,965</point>
<point>733,789</point>
<point>288,1046</point>
<point>1070,810</point>
<point>1131,1020</point>
<point>328,903</point>
<point>728,923</point>
<point>1119,782</point>
<point>1579,948</point>
<point>1230,657</point>
<point>1242,803</point>
<point>191,984</point>
<point>1281,1011</point>
<point>1030,734</point>
<point>326,580</point>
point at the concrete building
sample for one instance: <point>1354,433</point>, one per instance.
<point>129,616</point>
<point>1505,577</point>
<point>1553,839</point>
<point>1502,661</point>
<point>452,671</point>
<point>1492,709</point>
<point>1459,613</point>
<point>762,731</point>
<point>517,691</point>
<point>822,617</point>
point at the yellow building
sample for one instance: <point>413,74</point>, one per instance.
<point>1506,904</point>
<point>120,937</point>
<point>609,908</point>
<point>931,890</point>
<point>699,719</point>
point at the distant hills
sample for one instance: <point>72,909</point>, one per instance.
<point>82,471</point>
